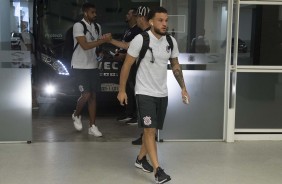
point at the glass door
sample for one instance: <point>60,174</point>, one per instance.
<point>256,71</point>
<point>200,28</point>
<point>15,72</point>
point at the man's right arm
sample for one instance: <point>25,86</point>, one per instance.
<point>90,45</point>
<point>119,44</point>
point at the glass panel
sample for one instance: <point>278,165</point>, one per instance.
<point>15,72</point>
<point>202,47</point>
<point>190,19</point>
<point>15,104</point>
<point>259,100</point>
<point>260,38</point>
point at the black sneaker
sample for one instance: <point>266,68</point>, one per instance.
<point>144,165</point>
<point>161,176</point>
<point>132,121</point>
<point>124,118</point>
<point>138,141</point>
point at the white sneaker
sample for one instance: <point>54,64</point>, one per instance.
<point>93,130</point>
<point>77,122</point>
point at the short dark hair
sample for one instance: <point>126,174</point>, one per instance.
<point>134,11</point>
<point>155,10</point>
<point>86,6</point>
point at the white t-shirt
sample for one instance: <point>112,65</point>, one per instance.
<point>85,59</point>
<point>151,78</point>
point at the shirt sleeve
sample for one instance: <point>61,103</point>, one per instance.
<point>78,30</point>
<point>135,46</point>
<point>175,51</point>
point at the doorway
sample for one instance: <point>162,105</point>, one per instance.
<point>256,72</point>
<point>200,27</point>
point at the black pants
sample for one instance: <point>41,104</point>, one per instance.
<point>131,101</point>
<point>131,109</point>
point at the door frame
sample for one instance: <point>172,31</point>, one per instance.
<point>233,134</point>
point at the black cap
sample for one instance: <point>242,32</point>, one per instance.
<point>143,11</point>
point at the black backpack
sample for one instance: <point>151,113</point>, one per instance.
<point>68,45</point>
<point>144,48</point>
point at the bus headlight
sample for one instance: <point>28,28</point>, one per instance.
<point>50,89</point>
<point>57,65</point>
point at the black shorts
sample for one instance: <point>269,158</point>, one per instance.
<point>151,111</point>
<point>87,80</point>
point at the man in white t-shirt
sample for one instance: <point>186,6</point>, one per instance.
<point>85,67</point>
<point>151,86</point>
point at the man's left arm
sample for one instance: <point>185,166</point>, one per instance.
<point>177,72</point>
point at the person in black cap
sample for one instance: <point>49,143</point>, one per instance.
<point>143,23</point>
<point>129,115</point>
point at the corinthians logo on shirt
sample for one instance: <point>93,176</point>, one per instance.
<point>129,33</point>
<point>81,88</point>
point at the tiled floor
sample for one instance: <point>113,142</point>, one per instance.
<point>53,123</point>
<point>61,155</point>
<point>113,162</point>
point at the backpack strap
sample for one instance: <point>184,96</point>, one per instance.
<point>84,27</point>
<point>144,48</point>
<point>84,32</point>
<point>169,40</point>
<point>97,28</point>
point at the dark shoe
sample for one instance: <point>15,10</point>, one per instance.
<point>138,141</point>
<point>144,165</point>
<point>133,121</point>
<point>161,176</point>
<point>124,118</point>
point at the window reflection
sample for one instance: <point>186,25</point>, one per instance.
<point>20,25</point>
<point>199,26</point>
<point>260,28</point>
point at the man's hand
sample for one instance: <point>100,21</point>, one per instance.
<point>122,98</point>
<point>107,37</point>
<point>119,57</point>
<point>185,96</point>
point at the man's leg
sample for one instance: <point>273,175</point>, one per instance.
<point>92,108</point>
<point>81,102</point>
<point>141,161</point>
<point>149,146</point>
<point>93,129</point>
<point>79,106</point>
<point>143,151</point>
